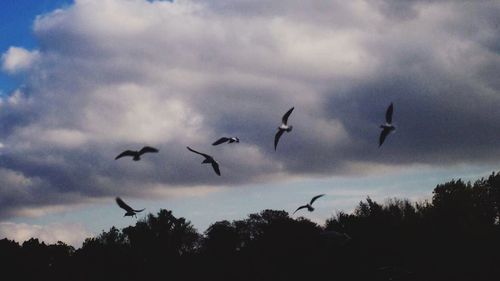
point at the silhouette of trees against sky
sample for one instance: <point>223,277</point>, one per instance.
<point>455,235</point>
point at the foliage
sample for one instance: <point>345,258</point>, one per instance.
<point>454,236</point>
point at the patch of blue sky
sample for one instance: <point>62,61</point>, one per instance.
<point>16,29</point>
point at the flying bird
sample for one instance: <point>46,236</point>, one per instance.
<point>137,154</point>
<point>387,128</point>
<point>283,127</point>
<point>309,206</point>
<point>228,140</point>
<point>208,159</point>
<point>130,212</point>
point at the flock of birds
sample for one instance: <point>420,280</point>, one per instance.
<point>387,128</point>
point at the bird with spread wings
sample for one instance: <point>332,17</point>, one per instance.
<point>137,154</point>
<point>225,139</point>
<point>309,206</point>
<point>284,127</point>
<point>208,160</point>
<point>387,128</point>
<point>130,212</point>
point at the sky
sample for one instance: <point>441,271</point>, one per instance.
<point>83,80</point>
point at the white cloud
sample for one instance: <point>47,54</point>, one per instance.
<point>17,59</point>
<point>70,233</point>
<point>114,75</point>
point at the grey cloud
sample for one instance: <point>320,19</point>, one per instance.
<point>117,75</point>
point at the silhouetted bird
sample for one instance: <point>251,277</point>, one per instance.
<point>208,159</point>
<point>228,140</point>
<point>309,206</point>
<point>283,127</point>
<point>387,127</point>
<point>137,154</point>
<point>130,211</point>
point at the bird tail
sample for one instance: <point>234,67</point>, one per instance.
<point>289,129</point>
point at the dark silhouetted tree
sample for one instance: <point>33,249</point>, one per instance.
<point>454,236</point>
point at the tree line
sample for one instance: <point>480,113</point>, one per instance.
<point>453,236</point>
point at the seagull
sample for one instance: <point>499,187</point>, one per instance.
<point>228,140</point>
<point>283,127</point>
<point>208,159</point>
<point>387,127</point>
<point>137,154</point>
<point>130,212</point>
<point>309,206</point>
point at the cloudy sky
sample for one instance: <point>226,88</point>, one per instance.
<point>83,80</point>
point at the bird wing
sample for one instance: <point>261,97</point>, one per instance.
<point>388,114</point>
<point>148,149</point>
<point>126,153</point>
<point>215,165</point>
<point>315,197</point>
<point>383,134</point>
<point>277,138</point>
<point>123,205</point>
<point>138,211</point>
<point>203,154</point>
<point>287,114</point>
<point>301,207</point>
<point>221,140</point>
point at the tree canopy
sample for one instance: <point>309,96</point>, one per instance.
<point>453,236</point>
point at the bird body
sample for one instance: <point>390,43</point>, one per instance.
<point>309,208</point>
<point>387,128</point>
<point>309,205</point>
<point>208,160</point>
<point>225,139</point>
<point>284,127</point>
<point>136,155</point>
<point>129,211</point>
